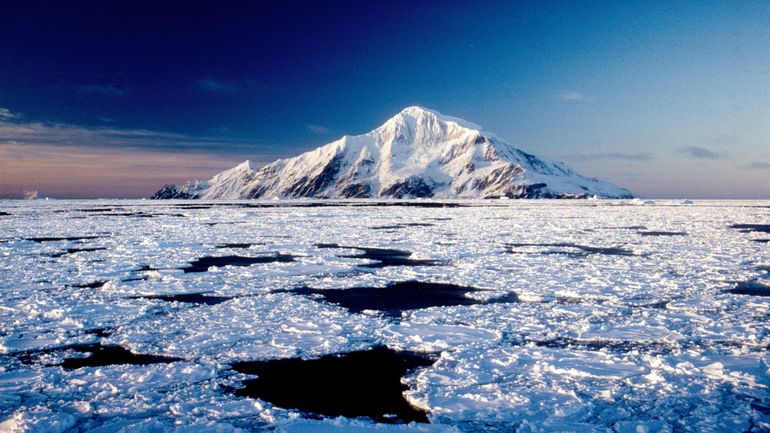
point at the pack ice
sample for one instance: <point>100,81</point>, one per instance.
<point>486,315</point>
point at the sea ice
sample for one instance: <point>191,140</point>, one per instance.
<point>616,317</point>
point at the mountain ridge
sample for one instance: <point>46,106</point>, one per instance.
<point>416,153</point>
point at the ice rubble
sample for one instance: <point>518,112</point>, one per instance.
<point>599,342</point>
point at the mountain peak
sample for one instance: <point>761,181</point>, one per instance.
<point>245,165</point>
<point>422,116</point>
<point>419,152</point>
<point>240,170</point>
<point>416,110</point>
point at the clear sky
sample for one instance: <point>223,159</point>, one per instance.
<point>115,99</point>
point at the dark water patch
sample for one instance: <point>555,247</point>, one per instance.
<point>662,233</point>
<point>751,288</point>
<point>204,263</point>
<point>747,228</point>
<point>662,305</point>
<point>123,214</point>
<point>570,249</point>
<point>75,250</point>
<point>396,298</point>
<point>357,384</point>
<point>98,209</point>
<point>188,298</point>
<point>57,239</point>
<point>401,226</point>
<point>140,214</point>
<point>763,409</point>
<point>703,345</point>
<point>327,245</point>
<point>155,215</point>
<point>212,224</point>
<point>238,245</point>
<point>391,227</point>
<point>383,257</point>
<point>571,300</point>
<point>619,346</point>
<point>649,347</point>
<point>427,204</point>
<point>197,206</point>
<point>105,209</point>
<point>761,241</point>
<point>2,213</point>
<point>98,355</point>
<point>91,285</point>
<point>101,356</point>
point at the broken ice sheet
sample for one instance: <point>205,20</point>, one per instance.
<point>597,342</point>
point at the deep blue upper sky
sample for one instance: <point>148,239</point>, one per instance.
<point>656,96</point>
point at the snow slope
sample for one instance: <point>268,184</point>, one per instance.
<point>416,153</point>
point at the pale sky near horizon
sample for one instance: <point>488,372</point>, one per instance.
<point>115,99</point>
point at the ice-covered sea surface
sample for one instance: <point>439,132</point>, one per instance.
<point>606,316</point>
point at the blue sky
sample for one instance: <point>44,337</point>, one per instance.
<point>669,99</point>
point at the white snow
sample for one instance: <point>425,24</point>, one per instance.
<point>456,158</point>
<point>644,342</point>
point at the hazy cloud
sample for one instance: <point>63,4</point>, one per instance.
<point>215,86</point>
<point>318,129</point>
<point>63,160</point>
<point>571,95</point>
<point>6,114</point>
<point>758,166</point>
<point>100,89</point>
<point>620,156</point>
<point>15,131</point>
<point>81,171</point>
<point>700,152</point>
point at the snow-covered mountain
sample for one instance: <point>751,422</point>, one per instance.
<point>416,153</point>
